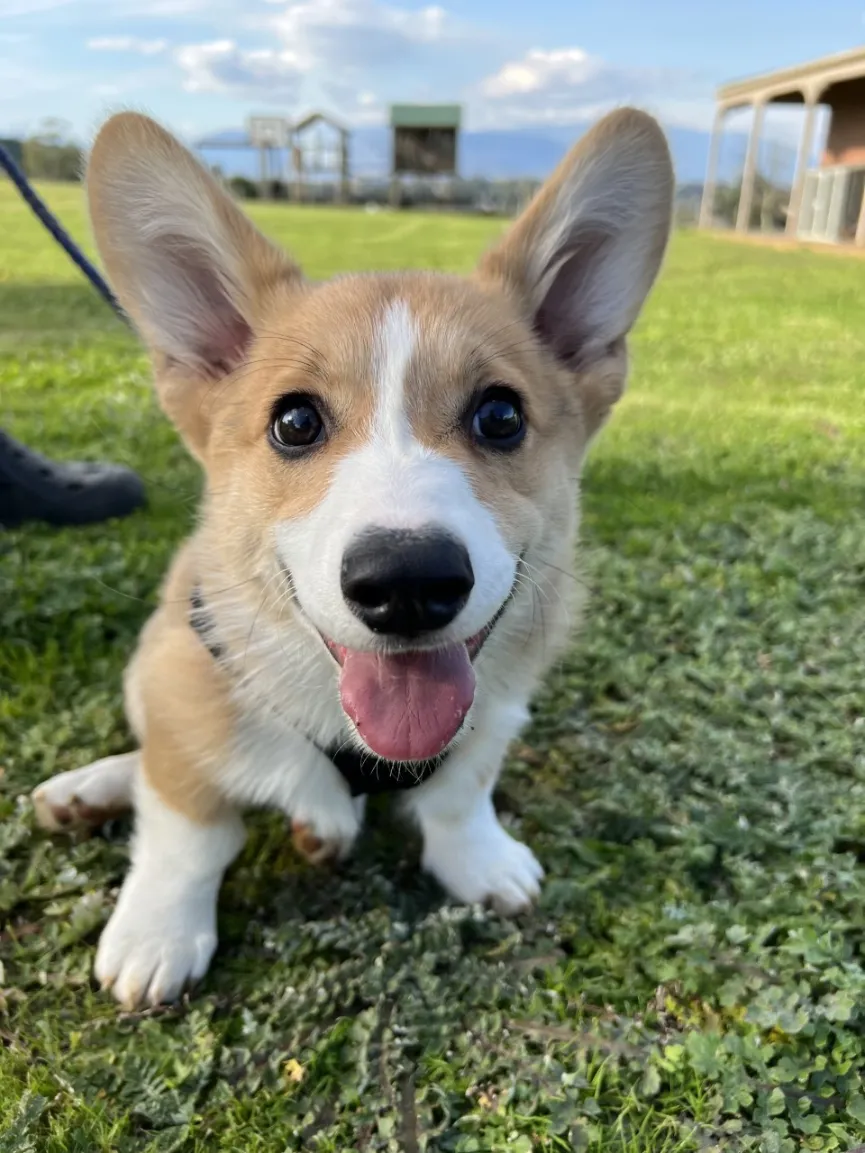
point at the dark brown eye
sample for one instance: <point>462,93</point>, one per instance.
<point>498,421</point>
<point>296,423</point>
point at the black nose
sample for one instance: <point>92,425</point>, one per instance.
<point>406,583</point>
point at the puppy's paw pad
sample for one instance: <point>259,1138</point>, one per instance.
<point>70,812</point>
<point>84,798</point>
<point>315,849</point>
<point>327,836</point>
<point>52,813</point>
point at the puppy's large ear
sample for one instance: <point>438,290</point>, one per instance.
<point>582,257</point>
<point>189,268</point>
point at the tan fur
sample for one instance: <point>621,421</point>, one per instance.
<point>461,327</point>
<point>178,702</point>
<point>510,263</point>
<point>469,336</point>
<point>251,713</point>
<point>624,129</point>
<point>320,340</point>
<point>127,149</point>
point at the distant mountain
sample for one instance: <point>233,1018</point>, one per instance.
<point>496,155</point>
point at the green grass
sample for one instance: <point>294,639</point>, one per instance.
<point>694,779</point>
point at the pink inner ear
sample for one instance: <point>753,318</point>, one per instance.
<point>212,330</point>
<point>564,318</point>
<point>229,349</point>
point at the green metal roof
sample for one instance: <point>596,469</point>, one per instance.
<point>425,115</point>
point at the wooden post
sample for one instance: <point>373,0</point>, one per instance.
<point>802,159</point>
<point>344,167</point>
<point>860,224</point>
<point>262,172</point>
<point>707,203</point>
<point>749,172</point>
<point>297,154</point>
<point>289,163</point>
<point>837,202</point>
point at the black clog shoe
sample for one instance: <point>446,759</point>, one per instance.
<point>33,488</point>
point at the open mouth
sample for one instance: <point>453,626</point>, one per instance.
<point>408,705</point>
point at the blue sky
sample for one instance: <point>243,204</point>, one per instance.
<point>203,65</point>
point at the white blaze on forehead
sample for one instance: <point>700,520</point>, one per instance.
<point>395,341</point>
<point>393,481</point>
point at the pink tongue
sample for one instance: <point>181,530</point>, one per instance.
<point>408,707</point>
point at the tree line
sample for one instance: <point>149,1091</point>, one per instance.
<point>49,153</point>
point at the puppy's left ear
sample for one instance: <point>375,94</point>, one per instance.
<point>583,256</point>
<point>189,268</point>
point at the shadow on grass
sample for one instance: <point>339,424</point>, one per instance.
<point>56,311</point>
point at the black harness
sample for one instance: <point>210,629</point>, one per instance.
<point>364,773</point>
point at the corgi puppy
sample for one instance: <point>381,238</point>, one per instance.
<point>383,569</point>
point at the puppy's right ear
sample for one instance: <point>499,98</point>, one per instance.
<point>582,258</point>
<point>188,267</point>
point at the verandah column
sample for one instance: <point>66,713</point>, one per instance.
<point>802,160</point>
<point>707,204</point>
<point>749,172</point>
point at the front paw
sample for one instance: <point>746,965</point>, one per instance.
<point>156,943</point>
<point>322,835</point>
<point>88,797</point>
<point>483,864</point>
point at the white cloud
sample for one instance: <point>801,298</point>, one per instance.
<point>569,85</point>
<point>127,44</point>
<point>539,71</point>
<point>359,34</point>
<point>221,66</point>
<point>343,46</point>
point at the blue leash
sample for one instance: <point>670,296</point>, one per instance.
<point>42,213</point>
